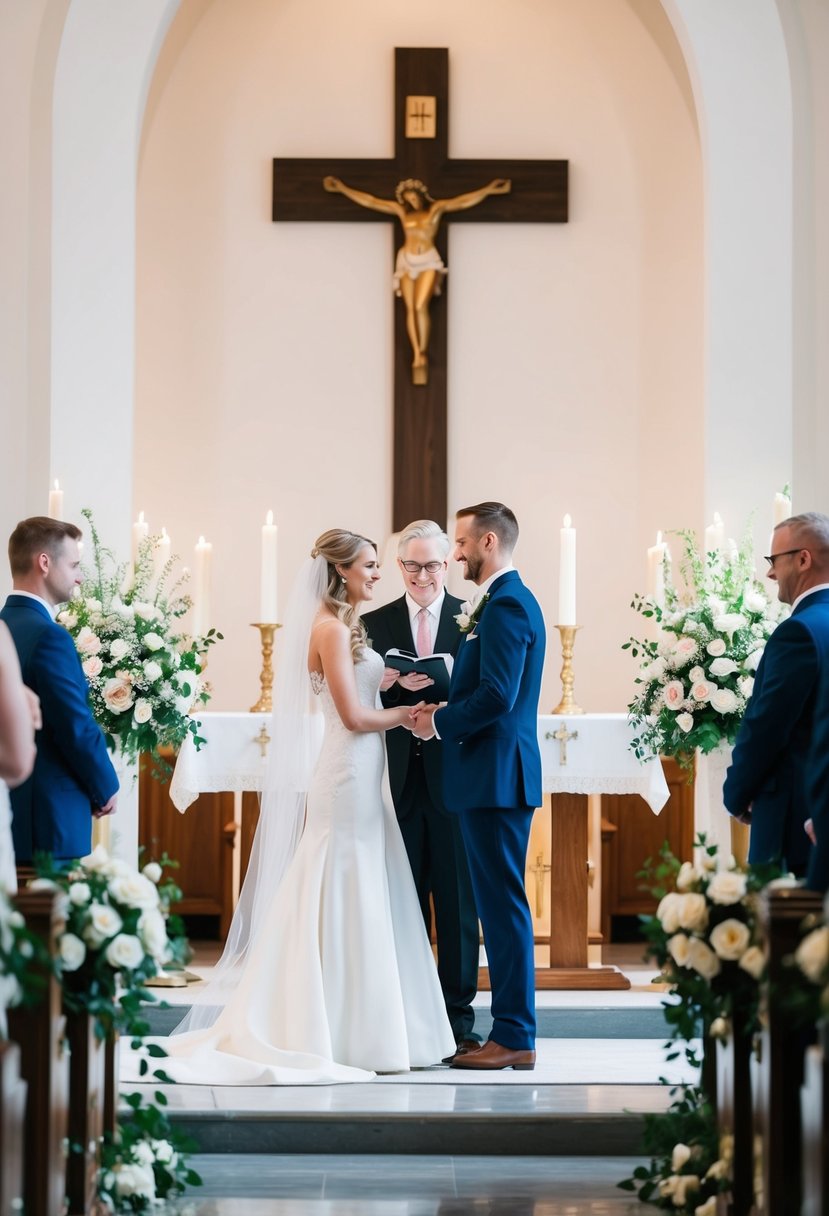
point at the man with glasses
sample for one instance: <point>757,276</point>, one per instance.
<point>423,622</point>
<point>771,781</point>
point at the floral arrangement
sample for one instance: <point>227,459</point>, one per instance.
<point>23,960</point>
<point>144,672</point>
<point>804,995</point>
<point>145,1162</point>
<point>695,680</point>
<point>690,1163</point>
<point>705,937</point>
<point>118,933</point>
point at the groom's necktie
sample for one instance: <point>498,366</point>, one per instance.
<point>424,633</point>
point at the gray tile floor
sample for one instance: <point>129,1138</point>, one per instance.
<point>412,1186</point>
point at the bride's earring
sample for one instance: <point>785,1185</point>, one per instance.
<point>342,580</point>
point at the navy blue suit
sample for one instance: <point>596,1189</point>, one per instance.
<point>771,767</point>
<point>431,835</point>
<point>73,774</point>
<point>492,779</point>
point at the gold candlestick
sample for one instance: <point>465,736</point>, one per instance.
<point>265,703</point>
<point>568,640</point>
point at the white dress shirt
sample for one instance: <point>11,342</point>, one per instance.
<point>811,591</point>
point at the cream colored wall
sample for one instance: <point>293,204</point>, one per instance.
<point>264,351</point>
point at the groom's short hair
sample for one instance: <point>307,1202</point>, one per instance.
<point>39,534</point>
<point>494,517</point>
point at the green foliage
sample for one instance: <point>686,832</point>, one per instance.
<point>145,1162</point>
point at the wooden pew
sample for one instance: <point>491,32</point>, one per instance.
<point>734,1113</point>
<point>12,1120</point>
<point>87,1085</point>
<point>44,1064</point>
<point>777,1075</point>
<point>814,1113</point>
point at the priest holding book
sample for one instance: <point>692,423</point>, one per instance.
<point>422,623</point>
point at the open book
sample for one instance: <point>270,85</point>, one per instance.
<point>437,666</point>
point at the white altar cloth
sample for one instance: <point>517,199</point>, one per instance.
<point>599,760</point>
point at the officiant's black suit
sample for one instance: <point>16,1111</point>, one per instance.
<point>431,834</point>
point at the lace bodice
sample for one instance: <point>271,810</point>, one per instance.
<point>368,672</point>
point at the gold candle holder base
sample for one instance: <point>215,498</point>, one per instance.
<point>265,703</point>
<point>567,704</point>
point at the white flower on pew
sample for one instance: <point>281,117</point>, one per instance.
<point>730,939</point>
<point>812,955</point>
<point>727,887</point>
<point>754,962</point>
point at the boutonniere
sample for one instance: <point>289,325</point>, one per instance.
<point>467,618</point>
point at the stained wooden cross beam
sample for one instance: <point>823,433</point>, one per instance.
<point>538,194</point>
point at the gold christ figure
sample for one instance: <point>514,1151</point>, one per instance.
<point>419,267</point>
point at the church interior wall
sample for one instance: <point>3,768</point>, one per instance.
<point>264,352</point>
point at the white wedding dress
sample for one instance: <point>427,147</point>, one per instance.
<point>340,981</point>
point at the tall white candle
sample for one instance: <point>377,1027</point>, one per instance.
<point>56,502</point>
<point>715,535</point>
<point>140,532</point>
<point>161,554</point>
<point>201,588</point>
<point>567,575</point>
<point>267,598</point>
<point>782,508</point>
<point>656,570</point>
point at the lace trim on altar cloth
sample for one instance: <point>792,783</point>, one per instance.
<point>596,783</point>
<point>229,781</point>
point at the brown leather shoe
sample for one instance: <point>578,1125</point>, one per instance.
<point>463,1048</point>
<point>493,1055</point>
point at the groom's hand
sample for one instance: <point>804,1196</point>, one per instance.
<point>424,727</point>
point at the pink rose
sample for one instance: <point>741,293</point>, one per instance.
<point>118,695</point>
<point>92,667</point>
<point>674,694</point>
<point>87,642</point>
<point>701,691</point>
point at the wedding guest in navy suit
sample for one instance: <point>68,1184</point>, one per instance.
<point>423,622</point>
<point>492,769</point>
<point>73,778</point>
<point>771,781</point>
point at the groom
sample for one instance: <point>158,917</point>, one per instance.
<point>492,768</point>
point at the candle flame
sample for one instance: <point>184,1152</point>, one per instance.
<point>568,523</point>
<point>659,538</point>
<point>57,484</point>
<point>717,517</point>
<point>269,519</point>
<point>201,542</point>
<point>141,517</point>
<point>164,535</point>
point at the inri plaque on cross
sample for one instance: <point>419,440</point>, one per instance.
<point>468,191</point>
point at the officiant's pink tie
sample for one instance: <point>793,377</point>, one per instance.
<point>424,633</point>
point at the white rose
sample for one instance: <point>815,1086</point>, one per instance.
<point>746,686</point>
<point>134,890</point>
<point>143,710</point>
<point>686,1184</point>
<point>693,912</point>
<point>754,599</point>
<point>685,722</point>
<point>674,694</point>
<point>92,667</point>
<point>147,612</point>
<point>152,670</point>
<point>118,648</point>
<point>152,870</point>
<point>723,667</point>
<point>730,623</point>
<point>703,959</point>
<point>153,641</point>
<point>667,1186</point>
<point>716,647</point>
<point>684,649</point>
<point>103,922</point>
<point>87,642</point>
<point>730,939</point>
<point>72,952</point>
<point>701,691</point>
<point>153,933</point>
<point>463,620</point>
<point>164,1152</point>
<point>752,662</point>
<point>678,949</point>
<point>719,1029</point>
<point>143,1153</point>
<point>11,993</point>
<point>668,912</point>
<point>42,884</point>
<point>80,893</point>
<point>688,876</point>
<point>67,619</point>
<point>724,700</point>
<point>117,695</point>
<point>125,951</point>
<point>134,1180</point>
<point>709,1208</point>
<point>696,673</point>
<point>679,1157</point>
<point>727,887</point>
<point>754,962</point>
<point>812,955</point>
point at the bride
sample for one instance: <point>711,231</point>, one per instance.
<point>327,974</point>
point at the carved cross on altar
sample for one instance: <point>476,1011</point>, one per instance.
<point>538,194</point>
<point>563,737</point>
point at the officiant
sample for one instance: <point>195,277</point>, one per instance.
<point>422,621</point>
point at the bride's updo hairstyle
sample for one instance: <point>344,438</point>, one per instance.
<point>341,548</point>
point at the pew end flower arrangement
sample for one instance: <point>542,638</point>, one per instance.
<point>705,937</point>
<point>804,994</point>
<point>24,963</point>
<point>695,679</point>
<point>143,669</point>
<point>119,933</point>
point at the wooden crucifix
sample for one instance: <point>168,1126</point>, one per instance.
<point>463,191</point>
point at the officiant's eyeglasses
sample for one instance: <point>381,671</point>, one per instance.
<point>774,556</point>
<point>416,567</point>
